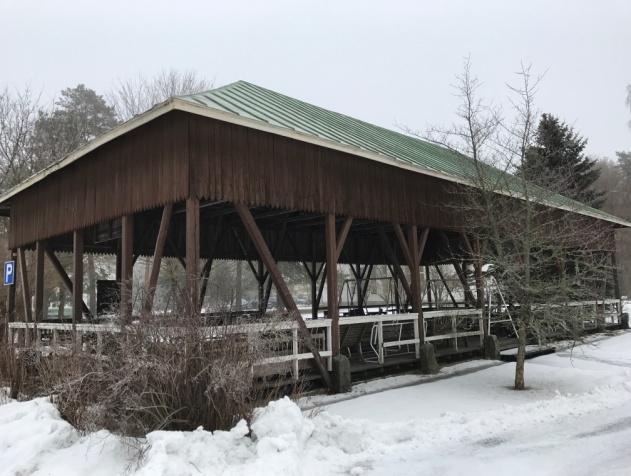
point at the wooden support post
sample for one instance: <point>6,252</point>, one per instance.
<point>281,286</point>
<point>65,278</point>
<point>26,293</point>
<point>313,281</point>
<point>268,285</point>
<point>77,288</point>
<point>330,242</point>
<point>334,244</point>
<point>468,295</point>
<point>205,277</point>
<point>360,277</point>
<point>397,298</point>
<point>312,273</point>
<point>313,284</point>
<point>390,255</point>
<point>475,252</point>
<point>127,267</point>
<point>238,287</point>
<point>192,253</point>
<point>341,237</point>
<point>321,285</point>
<point>11,291</point>
<point>39,281</point>
<point>442,278</point>
<point>366,282</point>
<point>413,252</point>
<point>405,248</point>
<point>415,278</point>
<point>158,252</point>
<point>421,244</point>
<point>260,279</point>
<point>119,261</point>
<point>428,285</point>
<point>267,293</point>
<point>175,252</point>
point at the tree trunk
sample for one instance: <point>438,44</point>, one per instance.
<point>521,356</point>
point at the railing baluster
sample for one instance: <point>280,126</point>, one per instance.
<point>294,344</point>
<point>417,345</point>
<point>380,341</point>
<point>329,345</point>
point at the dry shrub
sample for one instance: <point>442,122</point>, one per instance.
<point>162,374</point>
<point>19,371</point>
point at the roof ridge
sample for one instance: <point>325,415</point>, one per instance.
<point>206,91</point>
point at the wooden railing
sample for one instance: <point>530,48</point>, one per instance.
<point>389,334</point>
<point>290,350</point>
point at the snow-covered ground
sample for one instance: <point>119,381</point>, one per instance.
<point>575,419</point>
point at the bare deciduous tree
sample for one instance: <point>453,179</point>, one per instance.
<point>543,257</point>
<point>18,113</point>
<point>134,96</point>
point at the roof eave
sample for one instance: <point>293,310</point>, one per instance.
<point>188,106</point>
<point>127,126</point>
<point>176,103</point>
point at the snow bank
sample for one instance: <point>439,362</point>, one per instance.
<point>279,434</point>
<point>35,440</point>
<point>573,421</point>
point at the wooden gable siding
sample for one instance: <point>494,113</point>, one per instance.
<point>179,153</point>
<point>142,169</point>
<point>232,163</point>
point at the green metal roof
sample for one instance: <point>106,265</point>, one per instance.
<point>252,106</point>
<point>254,103</point>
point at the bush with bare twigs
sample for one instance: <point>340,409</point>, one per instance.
<point>161,374</point>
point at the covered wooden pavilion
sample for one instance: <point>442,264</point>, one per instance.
<point>242,172</point>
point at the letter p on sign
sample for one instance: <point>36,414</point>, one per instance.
<point>9,273</point>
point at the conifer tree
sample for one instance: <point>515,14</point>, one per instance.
<point>558,162</point>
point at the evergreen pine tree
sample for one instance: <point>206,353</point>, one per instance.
<point>624,164</point>
<point>557,161</point>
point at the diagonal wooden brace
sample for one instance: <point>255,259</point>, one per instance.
<point>281,286</point>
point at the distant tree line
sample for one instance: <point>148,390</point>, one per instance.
<point>34,135</point>
<point>614,183</point>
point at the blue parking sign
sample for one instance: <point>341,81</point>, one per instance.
<point>9,273</point>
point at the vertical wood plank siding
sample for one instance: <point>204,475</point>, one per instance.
<point>179,153</point>
<point>230,162</point>
<point>142,169</point>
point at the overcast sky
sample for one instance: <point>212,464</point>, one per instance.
<point>388,62</point>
